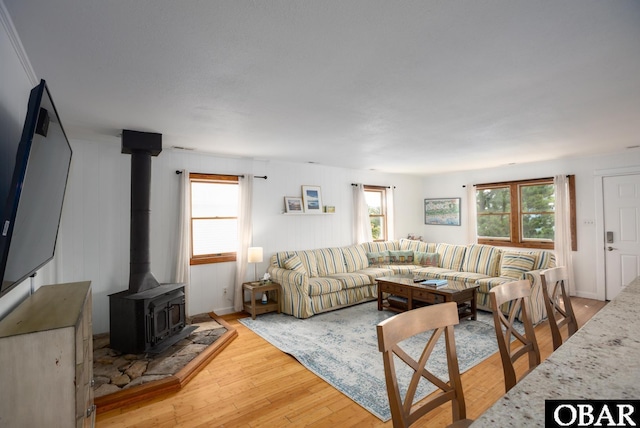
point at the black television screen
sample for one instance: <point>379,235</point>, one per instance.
<point>31,214</point>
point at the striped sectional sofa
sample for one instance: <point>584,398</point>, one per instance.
<point>315,281</point>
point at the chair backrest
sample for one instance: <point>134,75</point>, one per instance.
<point>512,295</point>
<point>436,318</point>
<point>558,304</point>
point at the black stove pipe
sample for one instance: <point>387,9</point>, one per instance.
<point>141,146</point>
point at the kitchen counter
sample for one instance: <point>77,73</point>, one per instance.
<point>600,361</point>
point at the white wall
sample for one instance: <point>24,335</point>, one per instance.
<point>589,243</point>
<point>94,241</point>
<point>94,234</point>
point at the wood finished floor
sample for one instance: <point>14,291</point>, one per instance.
<point>253,384</point>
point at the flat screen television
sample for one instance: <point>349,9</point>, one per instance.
<point>31,214</point>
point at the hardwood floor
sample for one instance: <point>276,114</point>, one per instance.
<point>252,384</point>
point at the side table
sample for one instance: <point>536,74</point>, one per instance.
<point>255,306</point>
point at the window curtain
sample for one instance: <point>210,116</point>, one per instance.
<point>361,221</point>
<point>472,213</point>
<point>244,237</point>
<point>562,241</point>
<point>390,214</point>
<point>183,271</point>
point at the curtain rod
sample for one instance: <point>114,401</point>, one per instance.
<point>241,175</point>
<point>386,187</point>
<point>513,181</point>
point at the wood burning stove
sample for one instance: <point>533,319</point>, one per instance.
<point>165,316</point>
<point>149,321</point>
<point>148,317</point>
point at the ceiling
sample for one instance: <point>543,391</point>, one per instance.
<point>414,87</point>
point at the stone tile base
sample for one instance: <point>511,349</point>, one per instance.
<point>114,372</point>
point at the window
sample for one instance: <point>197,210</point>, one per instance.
<point>214,218</point>
<point>519,213</point>
<point>376,198</point>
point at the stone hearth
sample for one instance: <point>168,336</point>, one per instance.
<point>121,375</point>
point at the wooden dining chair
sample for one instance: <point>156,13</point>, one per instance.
<point>558,304</point>
<point>514,294</point>
<point>437,319</point>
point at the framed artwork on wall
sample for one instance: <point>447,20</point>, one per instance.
<point>445,211</point>
<point>312,198</point>
<point>293,204</point>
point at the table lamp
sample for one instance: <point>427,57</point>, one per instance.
<point>255,256</point>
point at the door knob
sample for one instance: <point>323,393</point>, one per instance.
<point>611,248</point>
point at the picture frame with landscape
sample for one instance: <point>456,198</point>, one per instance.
<point>312,198</point>
<point>293,204</point>
<point>442,211</point>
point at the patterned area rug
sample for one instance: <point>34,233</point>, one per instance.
<point>341,347</point>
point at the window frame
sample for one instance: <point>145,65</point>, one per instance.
<point>230,256</point>
<point>515,215</point>
<point>383,215</point>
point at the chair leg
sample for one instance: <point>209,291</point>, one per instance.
<point>556,337</point>
<point>572,323</point>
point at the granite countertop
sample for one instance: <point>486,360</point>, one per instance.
<point>600,361</point>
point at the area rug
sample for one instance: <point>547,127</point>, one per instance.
<point>341,347</point>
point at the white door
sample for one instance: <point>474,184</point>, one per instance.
<point>621,231</point>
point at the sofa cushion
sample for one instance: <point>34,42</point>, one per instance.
<point>352,279</point>
<point>468,277</point>
<point>324,285</point>
<point>544,259</point>
<point>451,256</point>
<point>515,264</point>
<point>403,269</point>
<point>482,259</point>
<point>431,272</point>
<point>280,257</point>
<point>373,247</point>
<point>401,257</point>
<point>378,258</point>
<point>355,258</point>
<point>330,261</point>
<point>425,259</point>
<point>410,244</point>
<point>376,272</point>
<point>308,259</point>
<point>294,263</point>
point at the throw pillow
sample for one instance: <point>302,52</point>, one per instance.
<point>451,256</point>
<point>484,259</point>
<point>378,258</point>
<point>401,257</point>
<point>426,259</point>
<point>294,263</point>
<point>515,265</point>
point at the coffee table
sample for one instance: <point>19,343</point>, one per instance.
<point>403,288</point>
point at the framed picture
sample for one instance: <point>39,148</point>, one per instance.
<point>442,211</point>
<point>293,205</point>
<point>312,199</point>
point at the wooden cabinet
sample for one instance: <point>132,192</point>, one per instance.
<point>46,359</point>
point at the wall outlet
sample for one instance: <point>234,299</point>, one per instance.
<point>589,222</point>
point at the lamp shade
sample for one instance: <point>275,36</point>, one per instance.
<point>255,255</point>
